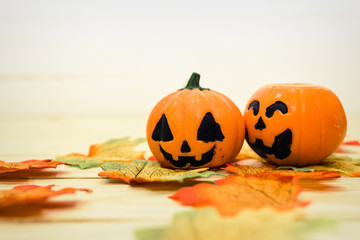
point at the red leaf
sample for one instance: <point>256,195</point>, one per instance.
<point>24,194</point>
<point>351,143</point>
<point>26,165</point>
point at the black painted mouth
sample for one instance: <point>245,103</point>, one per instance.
<point>280,148</point>
<point>185,160</point>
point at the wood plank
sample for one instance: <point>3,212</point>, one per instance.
<point>114,209</point>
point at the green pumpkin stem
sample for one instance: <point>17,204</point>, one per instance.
<point>194,82</point>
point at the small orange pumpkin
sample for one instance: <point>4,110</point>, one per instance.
<point>294,124</point>
<point>195,127</point>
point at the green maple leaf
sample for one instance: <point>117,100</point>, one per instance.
<point>296,169</point>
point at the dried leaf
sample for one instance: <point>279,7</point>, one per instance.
<point>355,174</point>
<point>269,169</point>
<point>234,193</point>
<point>6,167</point>
<point>207,224</point>
<point>343,149</point>
<point>341,164</point>
<point>141,171</point>
<point>25,194</point>
<point>114,150</point>
<point>351,143</point>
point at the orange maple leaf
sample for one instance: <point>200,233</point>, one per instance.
<point>355,174</point>
<point>351,143</point>
<point>26,165</point>
<point>233,194</point>
<point>24,194</point>
<point>268,169</point>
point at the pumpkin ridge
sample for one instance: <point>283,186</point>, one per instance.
<point>300,123</point>
<point>322,121</point>
<point>231,106</point>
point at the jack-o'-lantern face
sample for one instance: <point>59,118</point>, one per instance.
<point>294,124</point>
<point>281,146</point>
<point>208,132</point>
<point>195,127</point>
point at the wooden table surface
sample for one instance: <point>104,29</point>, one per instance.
<point>114,210</point>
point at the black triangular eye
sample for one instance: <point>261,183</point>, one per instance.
<point>209,130</point>
<point>162,131</point>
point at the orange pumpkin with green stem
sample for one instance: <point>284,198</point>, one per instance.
<point>195,127</point>
<point>294,124</point>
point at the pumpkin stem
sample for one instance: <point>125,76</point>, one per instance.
<point>194,82</point>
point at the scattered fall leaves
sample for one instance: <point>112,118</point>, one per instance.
<point>207,224</point>
<point>24,194</point>
<point>234,193</point>
<point>333,166</point>
<point>141,171</point>
<point>267,169</point>
<point>6,167</point>
<point>342,164</point>
<point>114,150</point>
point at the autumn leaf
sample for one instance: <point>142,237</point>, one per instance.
<point>351,143</point>
<point>207,224</point>
<point>355,174</point>
<point>233,194</point>
<point>335,163</point>
<point>141,171</point>
<point>332,166</point>
<point>267,169</point>
<point>25,194</point>
<point>6,167</point>
<point>341,149</point>
<point>114,150</point>
<point>342,164</point>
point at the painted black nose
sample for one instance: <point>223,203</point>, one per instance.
<point>260,125</point>
<point>185,148</point>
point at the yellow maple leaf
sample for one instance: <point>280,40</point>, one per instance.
<point>141,171</point>
<point>338,163</point>
<point>114,150</point>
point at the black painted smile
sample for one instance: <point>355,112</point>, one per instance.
<point>185,160</point>
<point>280,148</point>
